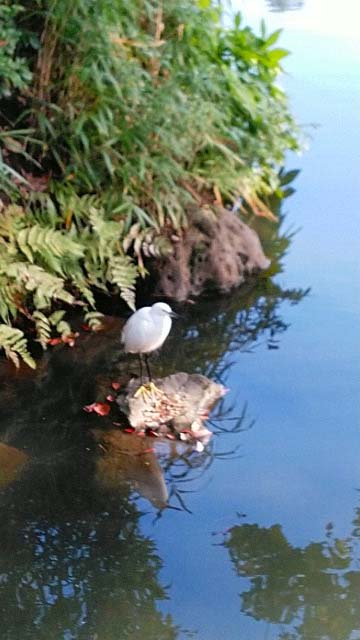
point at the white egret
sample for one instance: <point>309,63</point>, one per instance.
<point>146,330</point>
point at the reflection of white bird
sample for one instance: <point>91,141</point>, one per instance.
<point>146,330</point>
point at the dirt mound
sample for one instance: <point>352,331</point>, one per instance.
<point>217,250</point>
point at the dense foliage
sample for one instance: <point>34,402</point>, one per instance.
<point>114,116</point>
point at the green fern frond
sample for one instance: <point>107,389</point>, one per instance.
<point>82,285</point>
<point>123,273</point>
<point>14,344</point>
<point>56,317</point>
<point>48,243</point>
<point>43,328</point>
<point>45,325</point>
<point>63,328</point>
<point>107,233</point>
<point>128,295</point>
<point>74,207</point>
<point>44,286</point>
<point>93,320</point>
<point>8,293</point>
<point>12,220</point>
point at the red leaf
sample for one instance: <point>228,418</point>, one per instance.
<point>101,408</point>
<point>129,430</point>
<point>116,385</point>
<point>70,338</point>
<point>110,397</point>
<point>54,341</point>
<point>151,433</point>
<point>3,43</point>
<point>85,327</point>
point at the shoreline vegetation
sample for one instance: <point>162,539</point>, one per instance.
<point>116,120</point>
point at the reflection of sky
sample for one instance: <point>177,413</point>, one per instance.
<point>317,16</point>
<point>300,463</point>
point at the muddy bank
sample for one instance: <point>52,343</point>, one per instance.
<point>216,251</point>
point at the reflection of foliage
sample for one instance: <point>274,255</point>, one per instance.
<point>312,591</point>
<point>220,326</point>
<point>234,325</point>
<point>74,563</point>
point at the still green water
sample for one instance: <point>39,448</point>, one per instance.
<point>263,537</point>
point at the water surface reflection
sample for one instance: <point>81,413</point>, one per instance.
<point>74,562</point>
<point>307,592</point>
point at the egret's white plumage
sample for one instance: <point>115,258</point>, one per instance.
<point>147,328</point>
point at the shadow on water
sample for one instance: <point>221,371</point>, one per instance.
<point>307,592</point>
<point>73,561</point>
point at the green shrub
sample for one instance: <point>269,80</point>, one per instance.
<point>135,109</point>
<point>145,102</point>
<point>14,69</point>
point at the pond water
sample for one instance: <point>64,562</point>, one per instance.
<point>263,537</point>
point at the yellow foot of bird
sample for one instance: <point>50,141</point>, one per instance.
<point>148,390</point>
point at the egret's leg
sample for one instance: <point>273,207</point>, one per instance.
<point>146,357</point>
<point>141,367</point>
<point>149,388</point>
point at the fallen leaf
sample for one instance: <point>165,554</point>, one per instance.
<point>101,408</point>
<point>128,429</point>
<point>110,398</point>
<point>54,341</point>
<point>68,339</point>
<point>116,385</point>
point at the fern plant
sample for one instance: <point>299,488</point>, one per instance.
<point>14,343</point>
<point>41,267</point>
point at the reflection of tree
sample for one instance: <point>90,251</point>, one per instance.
<point>73,563</point>
<point>204,340</point>
<point>285,5</point>
<point>312,591</point>
<point>219,327</point>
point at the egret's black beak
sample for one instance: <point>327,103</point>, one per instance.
<point>174,315</point>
